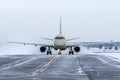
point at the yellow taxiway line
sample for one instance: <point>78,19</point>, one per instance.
<point>36,72</point>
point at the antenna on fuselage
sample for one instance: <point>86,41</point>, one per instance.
<point>60,25</point>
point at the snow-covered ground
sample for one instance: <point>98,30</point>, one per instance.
<point>112,54</point>
<point>12,49</point>
<point>97,50</point>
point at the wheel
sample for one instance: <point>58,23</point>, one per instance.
<point>47,52</point>
<point>59,53</point>
<point>50,52</point>
<point>71,52</point>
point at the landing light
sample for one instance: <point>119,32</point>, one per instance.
<point>58,50</point>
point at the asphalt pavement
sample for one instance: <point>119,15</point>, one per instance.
<point>59,67</point>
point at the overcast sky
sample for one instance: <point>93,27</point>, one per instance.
<point>28,20</point>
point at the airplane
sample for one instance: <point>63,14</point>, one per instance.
<point>59,44</point>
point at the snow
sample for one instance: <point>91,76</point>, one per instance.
<point>112,54</point>
<point>97,50</point>
<point>13,49</point>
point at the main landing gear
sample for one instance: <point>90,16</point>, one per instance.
<point>71,51</point>
<point>49,51</point>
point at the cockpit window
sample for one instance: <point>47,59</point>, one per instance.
<point>59,38</point>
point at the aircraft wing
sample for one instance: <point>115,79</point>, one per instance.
<point>72,39</point>
<point>73,44</point>
<point>47,38</point>
<point>34,44</point>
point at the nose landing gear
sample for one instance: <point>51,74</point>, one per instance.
<point>59,52</point>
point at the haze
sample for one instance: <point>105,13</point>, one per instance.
<point>28,20</point>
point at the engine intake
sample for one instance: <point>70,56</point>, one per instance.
<point>43,49</point>
<point>77,49</point>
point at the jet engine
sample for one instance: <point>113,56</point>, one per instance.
<point>43,49</point>
<point>77,49</point>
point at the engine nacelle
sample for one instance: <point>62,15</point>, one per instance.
<point>77,49</point>
<point>43,49</point>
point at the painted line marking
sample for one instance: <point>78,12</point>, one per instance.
<point>36,72</point>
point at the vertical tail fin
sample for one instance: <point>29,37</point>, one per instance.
<point>60,25</point>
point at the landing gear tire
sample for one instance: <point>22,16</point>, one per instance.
<point>71,52</point>
<point>49,52</point>
<point>59,53</point>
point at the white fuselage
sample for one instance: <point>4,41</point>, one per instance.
<point>60,43</point>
